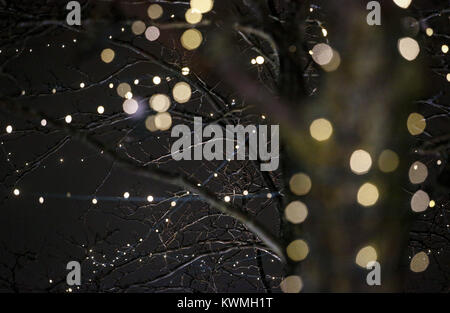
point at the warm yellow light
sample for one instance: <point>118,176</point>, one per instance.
<point>123,89</point>
<point>155,11</point>
<point>163,121</point>
<point>297,250</point>
<point>432,204</point>
<point>292,284</point>
<point>419,262</point>
<point>100,109</point>
<point>367,194</point>
<point>418,173</point>
<point>185,71</point>
<point>416,124</point>
<point>444,48</point>
<point>321,129</point>
<point>150,123</point>
<point>202,5</point>
<point>360,162</point>
<point>159,102</point>
<point>388,161</point>
<point>191,39</point>
<point>138,27</point>
<point>404,4</point>
<point>420,201</point>
<point>107,55</point>
<point>181,92</point>
<point>259,60</point>
<point>193,16</point>
<point>296,212</point>
<point>365,256</point>
<point>334,63</point>
<point>409,48</point>
<point>300,184</point>
<point>448,77</point>
<point>429,31</point>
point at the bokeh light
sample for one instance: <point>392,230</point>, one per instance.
<point>404,4</point>
<point>322,54</point>
<point>334,63</point>
<point>108,55</point>
<point>130,106</point>
<point>416,124</point>
<point>159,102</point>
<point>419,262</point>
<point>181,92</point>
<point>321,129</point>
<point>202,5</point>
<point>418,173</point>
<point>292,284</point>
<point>388,161</point>
<point>123,89</point>
<point>360,162</point>
<point>150,123</point>
<point>367,194</point>
<point>296,212</point>
<point>157,80</point>
<point>152,33</point>
<point>163,121</point>
<point>300,184</point>
<point>138,27</point>
<point>409,48</point>
<point>297,250</point>
<point>420,201</point>
<point>365,256</point>
<point>155,11</point>
<point>193,16</point>
<point>191,39</point>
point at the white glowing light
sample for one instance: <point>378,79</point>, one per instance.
<point>130,106</point>
<point>157,80</point>
<point>259,60</point>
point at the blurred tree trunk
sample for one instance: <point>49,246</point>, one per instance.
<point>367,100</point>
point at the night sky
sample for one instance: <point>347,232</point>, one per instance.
<point>132,233</point>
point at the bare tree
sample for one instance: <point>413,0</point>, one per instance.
<point>219,225</point>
